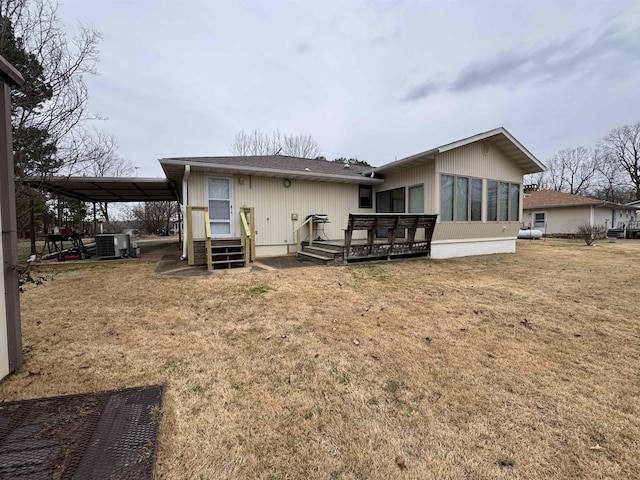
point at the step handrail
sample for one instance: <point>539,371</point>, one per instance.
<point>297,232</point>
<point>207,234</point>
<point>247,238</point>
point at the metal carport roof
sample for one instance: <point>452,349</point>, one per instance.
<point>108,189</point>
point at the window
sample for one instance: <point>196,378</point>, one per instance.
<point>514,203</point>
<point>460,198</point>
<point>539,219</point>
<point>476,199</point>
<point>492,200</point>
<point>365,193</point>
<point>416,199</point>
<point>503,201</point>
<point>446,198</point>
<point>390,201</point>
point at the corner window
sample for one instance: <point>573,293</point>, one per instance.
<point>503,201</point>
<point>365,193</point>
<point>514,202</point>
<point>460,198</point>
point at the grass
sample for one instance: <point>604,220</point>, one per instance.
<point>492,367</point>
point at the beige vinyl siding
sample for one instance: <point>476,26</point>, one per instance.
<point>474,231</point>
<point>418,175</point>
<point>471,162</point>
<point>274,204</point>
<point>196,194</point>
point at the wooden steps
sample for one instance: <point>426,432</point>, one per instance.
<point>322,253</point>
<point>225,253</point>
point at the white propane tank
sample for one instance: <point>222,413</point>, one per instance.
<point>530,234</point>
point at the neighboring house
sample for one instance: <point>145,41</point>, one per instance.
<point>557,213</point>
<point>474,185</point>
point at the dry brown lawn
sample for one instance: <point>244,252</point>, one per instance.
<point>491,367</point>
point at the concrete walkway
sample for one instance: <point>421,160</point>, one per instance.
<point>171,265</point>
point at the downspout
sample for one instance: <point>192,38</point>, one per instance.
<point>185,200</point>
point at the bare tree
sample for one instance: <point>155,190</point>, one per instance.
<point>101,160</point>
<point>572,170</point>
<point>621,147</point>
<point>611,185</point>
<point>257,142</point>
<point>154,217</point>
<point>63,114</point>
<point>49,112</point>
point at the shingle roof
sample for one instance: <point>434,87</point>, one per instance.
<point>279,163</point>
<point>269,166</point>
<point>549,198</point>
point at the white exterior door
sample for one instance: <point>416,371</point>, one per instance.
<point>539,221</point>
<point>220,203</point>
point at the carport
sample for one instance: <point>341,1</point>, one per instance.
<point>109,190</point>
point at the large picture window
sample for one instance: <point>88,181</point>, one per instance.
<point>460,198</point>
<point>503,201</point>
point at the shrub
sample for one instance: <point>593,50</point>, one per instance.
<point>591,233</point>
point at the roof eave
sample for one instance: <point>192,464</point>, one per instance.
<point>537,165</point>
<point>426,155</point>
<point>246,170</point>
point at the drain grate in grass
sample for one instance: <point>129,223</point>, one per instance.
<point>104,435</point>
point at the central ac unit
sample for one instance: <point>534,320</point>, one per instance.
<point>113,246</point>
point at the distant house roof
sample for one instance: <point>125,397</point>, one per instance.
<point>499,137</point>
<point>271,166</point>
<point>550,199</point>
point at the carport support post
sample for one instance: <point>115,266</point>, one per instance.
<point>95,222</point>
<point>9,232</point>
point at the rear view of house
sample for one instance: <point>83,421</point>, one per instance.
<point>474,185</point>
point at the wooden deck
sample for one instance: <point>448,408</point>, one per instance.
<point>388,236</point>
<point>333,251</point>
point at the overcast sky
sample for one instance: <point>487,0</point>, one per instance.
<point>376,80</point>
